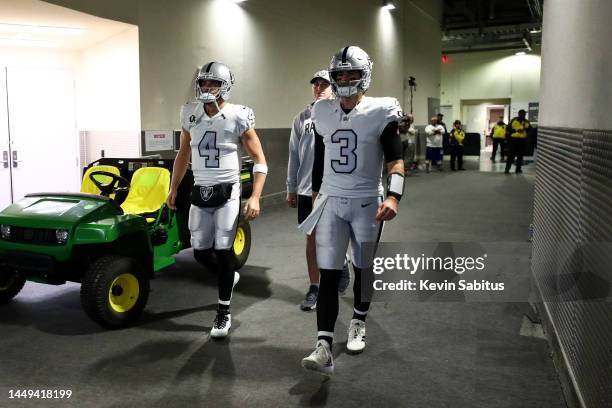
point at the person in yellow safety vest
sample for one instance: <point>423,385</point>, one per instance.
<point>518,135</point>
<point>498,134</point>
<point>456,137</point>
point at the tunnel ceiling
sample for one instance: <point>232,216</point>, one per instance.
<point>487,25</point>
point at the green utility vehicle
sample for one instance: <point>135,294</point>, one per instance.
<point>112,237</point>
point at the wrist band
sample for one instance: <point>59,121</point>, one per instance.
<point>260,168</point>
<point>395,185</point>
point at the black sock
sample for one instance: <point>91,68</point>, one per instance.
<point>313,288</point>
<point>327,303</point>
<point>358,304</point>
<point>225,274</point>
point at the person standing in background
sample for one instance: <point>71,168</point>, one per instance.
<point>433,154</point>
<point>456,137</point>
<point>498,135</point>
<point>440,117</point>
<point>408,135</point>
<point>518,135</point>
<point>299,177</point>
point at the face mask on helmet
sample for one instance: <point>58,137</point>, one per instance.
<point>218,72</point>
<point>347,83</point>
<point>351,59</point>
<point>209,90</point>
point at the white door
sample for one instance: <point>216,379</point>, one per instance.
<point>43,134</point>
<point>5,169</point>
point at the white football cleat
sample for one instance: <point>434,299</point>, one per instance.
<point>356,336</point>
<point>320,360</point>
<point>221,325</point>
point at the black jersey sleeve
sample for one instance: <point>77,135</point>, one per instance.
<point>318,162</point>
<point>391,142</point>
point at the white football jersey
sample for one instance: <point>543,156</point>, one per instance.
<point>354,155</point>
<point>215,141</point>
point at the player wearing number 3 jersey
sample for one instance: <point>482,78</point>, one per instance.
<point>211,131</point>
<point>355,136</point>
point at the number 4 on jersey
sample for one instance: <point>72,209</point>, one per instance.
<point>208,149</point>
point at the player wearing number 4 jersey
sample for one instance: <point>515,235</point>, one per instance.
<point>355,136</point>
<point>211,131</point>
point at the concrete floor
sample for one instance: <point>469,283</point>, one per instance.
<point>418,355</point>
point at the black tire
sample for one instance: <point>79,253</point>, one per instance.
<point>10,287</point>
<point>114,291</point>
<point>242,243</point>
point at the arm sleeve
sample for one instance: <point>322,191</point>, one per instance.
<point>391,142</point>
<point>294,156</point>
<point>429,130</point>
<point>318,163</point>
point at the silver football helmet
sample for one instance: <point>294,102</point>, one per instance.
<point>351,58</point>
<point>214,71</point>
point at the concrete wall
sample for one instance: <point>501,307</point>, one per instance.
<point>422,48</point>
<point>490,75</point>
<point>573,226</point>
<point>109,98</point>
<point>576,90</point>
<point>273,46</point>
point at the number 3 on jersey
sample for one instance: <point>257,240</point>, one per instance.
<point>347,162</point>
<point>208,149</point>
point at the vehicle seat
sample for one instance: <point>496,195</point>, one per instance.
<point>148,190</point>
<point>89,187</point>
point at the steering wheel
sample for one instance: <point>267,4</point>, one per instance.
<point>113,186</point>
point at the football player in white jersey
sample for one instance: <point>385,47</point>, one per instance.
<point>299,182</point>
<point>355,136</point>
<point>211,131</point>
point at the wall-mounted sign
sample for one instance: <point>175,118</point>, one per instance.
<point>157,140</point>
<point>533,112</point>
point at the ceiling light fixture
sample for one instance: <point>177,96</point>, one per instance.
<point>387,5</point>
<point>520,53</point>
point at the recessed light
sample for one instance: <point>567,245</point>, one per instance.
<point>387,5</point>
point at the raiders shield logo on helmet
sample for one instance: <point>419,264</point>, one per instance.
<point>206,192</point>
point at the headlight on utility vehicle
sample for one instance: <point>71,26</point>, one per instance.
<point>61,236</point>
<point>5,231</point>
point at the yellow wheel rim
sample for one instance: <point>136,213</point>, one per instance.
<point>123,293</point>
<point>239,241</point>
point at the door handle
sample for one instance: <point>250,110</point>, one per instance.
<point>5,160</point>
<point>15,161</point>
